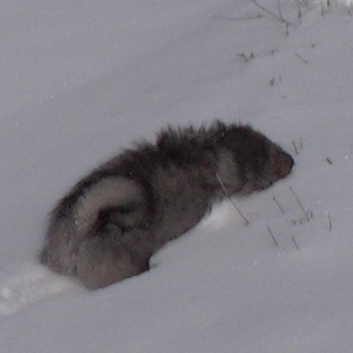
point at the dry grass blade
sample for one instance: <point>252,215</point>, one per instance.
<point>278,204</point>
<point>272,236</point>
<point>301,58</point>
<point>226,193</point>
<point>300,205</point>
<point>295,243</point>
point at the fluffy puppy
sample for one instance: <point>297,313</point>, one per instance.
<point>111,222</point>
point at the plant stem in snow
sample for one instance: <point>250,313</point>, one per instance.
<point>300,204</point>
<point>226,193</point>
<point>329,221</point>
<point>295,243</point>
<point>278,204</point>
<point>272,236</point>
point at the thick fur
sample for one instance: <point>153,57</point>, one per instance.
<point>108,226</point>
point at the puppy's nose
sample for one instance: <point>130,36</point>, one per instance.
<point>282,163</point>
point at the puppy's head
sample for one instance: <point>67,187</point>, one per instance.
<point>259,162</point>
<point>278,165</point>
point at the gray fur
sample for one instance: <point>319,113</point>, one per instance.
<point>108,226</point>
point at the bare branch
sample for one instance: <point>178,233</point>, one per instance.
<point>277,17</point>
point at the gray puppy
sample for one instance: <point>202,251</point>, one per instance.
<point>108,226</point>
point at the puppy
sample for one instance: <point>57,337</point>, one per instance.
<point>113,220</point>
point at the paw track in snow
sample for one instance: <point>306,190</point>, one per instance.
<point>29,287</point>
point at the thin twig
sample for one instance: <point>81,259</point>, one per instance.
<point>277,17</point>
<point>295,243</point>
<point>300,204</point>
<point>226,193</point>
<point>279,9</point>
<point>272,236</point>
<point>301,58</point>
<point>328,160</point>
<point>278,204</point>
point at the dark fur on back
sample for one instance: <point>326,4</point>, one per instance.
<point>107,227</point>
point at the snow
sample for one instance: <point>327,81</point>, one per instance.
<point>81,80</point>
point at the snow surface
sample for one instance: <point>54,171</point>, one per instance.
<point>82,79</point>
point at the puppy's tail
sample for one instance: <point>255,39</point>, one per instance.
<point>108,206</point>
<point>115,199</point>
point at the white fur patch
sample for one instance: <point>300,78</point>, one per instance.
<point>228,171</point>
<point>109,192</point>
